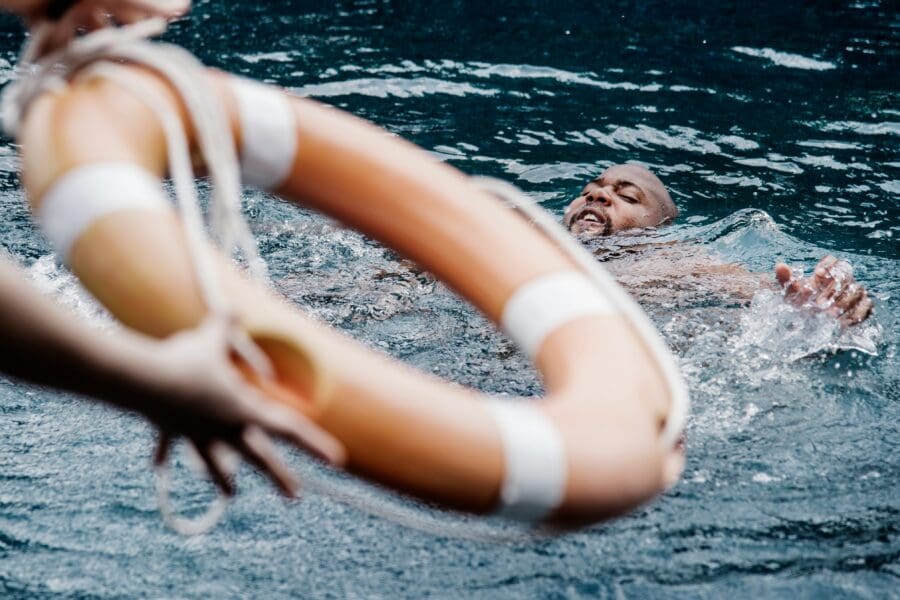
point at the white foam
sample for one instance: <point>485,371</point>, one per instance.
<point>786,59</point>
<point>394,87</point>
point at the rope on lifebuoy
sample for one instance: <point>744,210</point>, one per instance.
<point>211,515</point>
<point>91,55</point>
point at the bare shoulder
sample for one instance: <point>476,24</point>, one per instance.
<point>683,273</point>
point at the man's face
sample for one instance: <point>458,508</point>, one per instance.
<point>623,197</point>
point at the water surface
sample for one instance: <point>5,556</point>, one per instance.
<point>776,128</point>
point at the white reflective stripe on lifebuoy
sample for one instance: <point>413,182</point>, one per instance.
<point>90,192</point>
<point>535,473</point>
<point>542,305</point>
<point>268,133</point>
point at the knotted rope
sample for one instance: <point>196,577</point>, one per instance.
<point>100,54</point>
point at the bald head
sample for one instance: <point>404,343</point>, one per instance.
<point>622,197</point>
<point>654,189</point>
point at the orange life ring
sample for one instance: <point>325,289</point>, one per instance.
<point>93,158</point>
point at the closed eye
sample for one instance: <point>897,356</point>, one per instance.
<point>634,194</point>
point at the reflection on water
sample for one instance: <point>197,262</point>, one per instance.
<point>775,129</point>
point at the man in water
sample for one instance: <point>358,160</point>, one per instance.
<point>630,196</point>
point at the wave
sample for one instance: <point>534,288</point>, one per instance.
<point>396,87</point>
<point>786,59</point>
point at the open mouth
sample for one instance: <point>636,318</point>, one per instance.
<point>590,219</point>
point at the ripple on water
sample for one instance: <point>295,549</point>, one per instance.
<point>393,87</point>
<point>791,483</point>
<point>279,57</point>
<point>786,59</point>
<point>887,128</point>
<point>773,162</point>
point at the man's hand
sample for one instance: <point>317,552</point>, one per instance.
<point>96,13</point>
<point>186,385</point>
<point>200,395</point>
<point>831,289</point>
<point>85,16</point>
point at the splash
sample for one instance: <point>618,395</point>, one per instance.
<point>787,332</point>
<point>53,280</point>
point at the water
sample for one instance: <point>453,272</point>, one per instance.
<point>775,127</point>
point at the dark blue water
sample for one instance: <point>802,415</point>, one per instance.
<point>776,128</point>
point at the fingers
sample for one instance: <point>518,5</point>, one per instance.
<point>80,18</point>
<point>859,313</point>
<point>213,455</point>
<point>53,36</point>
<point>302,432</point>
<point>290,425</point>
<point>831,288</point>
<point>798,291</point>
<point>849,296</point>
<point>89,15</point>
<point>44,36</point>
<point>826,292</point>
<point>126,14</point>
<point>163,8</point>
<point>845,298</point>
<point>214,461</point>
<point>783,274</point>
<point>830,269</point>
<point>256,447</point>
<point>132,11</point>
<point>826,263</point>
<point>162,450</point>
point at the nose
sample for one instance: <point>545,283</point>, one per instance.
<point>599,195</point>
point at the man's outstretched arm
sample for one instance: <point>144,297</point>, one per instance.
<point>185,385</point>
<point>681,271</point>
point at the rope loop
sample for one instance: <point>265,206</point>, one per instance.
<point>210,517</point>
<point>101,54</point>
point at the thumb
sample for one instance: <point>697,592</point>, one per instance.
<point>783,274</point>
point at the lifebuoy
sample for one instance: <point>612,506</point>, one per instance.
<point>94,156</point>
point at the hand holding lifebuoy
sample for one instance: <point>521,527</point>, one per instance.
<point>212,406</point>
<point>60,22</point>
